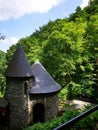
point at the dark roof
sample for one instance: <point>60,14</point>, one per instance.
<point>19,66</point>
<point>3,102</point>
<point>44,83</point>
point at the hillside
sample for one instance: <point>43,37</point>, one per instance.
<point>68,49</point>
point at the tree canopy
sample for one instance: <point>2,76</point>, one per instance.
<point>68,49</point>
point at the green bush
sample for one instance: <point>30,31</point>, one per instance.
<point>67,115</point>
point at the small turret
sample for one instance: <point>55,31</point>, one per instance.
<point>19,77</point>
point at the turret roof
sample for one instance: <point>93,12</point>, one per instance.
<point>19,66</point>
<point>44,83</point>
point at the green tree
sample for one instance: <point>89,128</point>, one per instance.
<point>68,50</point>
<point>2,69</point>
<point>91,44</point>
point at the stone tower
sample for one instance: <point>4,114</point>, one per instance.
<point>43,95</point>
<point>19,78</point>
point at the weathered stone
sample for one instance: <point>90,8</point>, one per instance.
<point>22,104</point>
<point>32,98</point>
<point>19,103</point>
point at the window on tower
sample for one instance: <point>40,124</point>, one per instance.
<point>25,88</point>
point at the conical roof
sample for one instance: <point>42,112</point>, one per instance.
<point>19,66</point>
<point>44,83</point>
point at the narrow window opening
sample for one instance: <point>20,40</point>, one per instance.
<point>25,88</point>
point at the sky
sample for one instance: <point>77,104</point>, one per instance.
<point>20,18</point>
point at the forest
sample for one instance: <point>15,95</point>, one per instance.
<point>68,49</point>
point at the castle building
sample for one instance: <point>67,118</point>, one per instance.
<point>31,93</point>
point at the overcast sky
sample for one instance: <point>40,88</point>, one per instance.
<point>20,18</point>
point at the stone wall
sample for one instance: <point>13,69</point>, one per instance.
<point>50,101</point>
<point>19,103</point>
<point>51,106</point>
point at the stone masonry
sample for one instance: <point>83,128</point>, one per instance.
<point>50,102</point>
<point>19,103</point>
<point>32,93</point>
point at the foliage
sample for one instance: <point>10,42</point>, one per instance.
<point>2,68</point>
<point>54,122</point>
<point>87,122</point>
<point>91,45</point>
<point>63,94</point>
<point>68,49</point>
<point>86,13</point>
